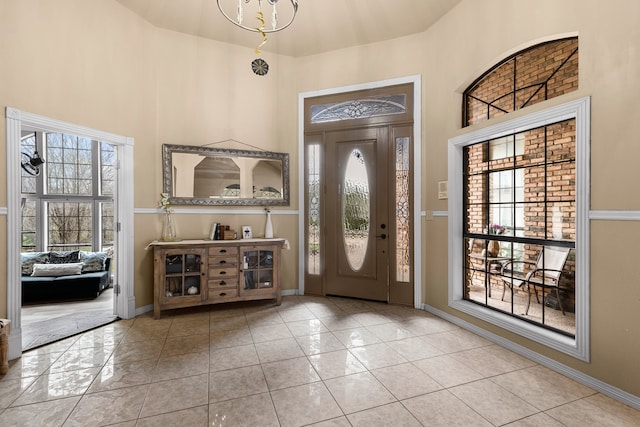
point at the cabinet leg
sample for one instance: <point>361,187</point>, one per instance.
<point>4,346</point>
<point>279,299</point>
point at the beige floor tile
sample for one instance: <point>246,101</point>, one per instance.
<point>335,422</point>
<point>376,356</point>
<point>11,389</point>
<point>406,380</point>
<point>31,365</point>
<point>182,365</point>
<point>340,322</point>
<point>441,408</point>
<point>230,338</point>
<point>319,343</point>
<point>229,323</point>
<point>447,370</point>
<point>390,331</point>
<point>492,360</point>
<point>233,357</point>
<point>306,327</point>
<point>128,352</point>
<point>192,417</point>
<point>113,376</point>
<point>428,325</point>
<point>248,411</point>
<point>182,328</point>
<point>108,407</point>
<point>304,404</point>
<point>542,387</point>
<point>455,340</point>
<point>175,395</point>
<point>51,413</point>
<point>356,337</point>
<point>270,332</point>
<point>414,349</point>
<point>358,392</point>
<point>370,319</point>
<point>72,360</point>
<point>103,337</point>
<point>272,351</point>
<point>597,410</point>
<point>235,383</point>
<point>56,385</point>
<point>322,310</point>
<point>264,318</point>
<point>289,373</point>
<point>336,364</point>
<point>537,420</point>
<point>493,402</point>
<point>393,414</point>
<point>299,314</point>
<point>187,344</point>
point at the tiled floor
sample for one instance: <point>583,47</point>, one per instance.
<point>330,361</point>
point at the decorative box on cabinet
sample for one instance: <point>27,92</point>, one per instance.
<point>197,272</point>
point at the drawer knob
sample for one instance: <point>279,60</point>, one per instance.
<point>222,294</point>
<point>223,262</point>
<point>223,272</point>
<point>223,251</point>
<point>222,283</point>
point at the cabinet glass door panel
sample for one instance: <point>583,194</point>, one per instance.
<point>183,275</point>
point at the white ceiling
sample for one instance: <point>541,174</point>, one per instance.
<point>320,26</point>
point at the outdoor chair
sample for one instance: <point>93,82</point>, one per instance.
<point>545,273</point>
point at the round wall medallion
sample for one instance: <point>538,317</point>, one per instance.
<point>260,66</point>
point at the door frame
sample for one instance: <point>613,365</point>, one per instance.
<point>417,173</point>
<point>16,120</point>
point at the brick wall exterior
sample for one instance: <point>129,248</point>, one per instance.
<point>534,75</point>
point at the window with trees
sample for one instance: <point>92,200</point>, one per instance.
<point>69,205</point>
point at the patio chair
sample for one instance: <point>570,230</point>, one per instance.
<point>545,273</point>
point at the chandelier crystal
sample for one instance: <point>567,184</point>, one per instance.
<point>242,6</point>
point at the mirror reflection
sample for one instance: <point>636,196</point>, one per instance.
<point>215,176</point>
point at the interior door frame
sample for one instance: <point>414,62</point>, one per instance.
<point>417,173</point>
<point>16,121</point>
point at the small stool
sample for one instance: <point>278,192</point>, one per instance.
<point>5,327</point>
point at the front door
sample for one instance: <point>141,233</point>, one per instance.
<point>357,210</point>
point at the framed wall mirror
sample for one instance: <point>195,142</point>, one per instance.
<point>196,175</point>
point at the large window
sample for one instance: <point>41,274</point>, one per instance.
<point>520,206</point>
<point>518,226</point>
<point>69,204</point>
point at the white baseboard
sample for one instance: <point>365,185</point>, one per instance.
<point>594,383</point>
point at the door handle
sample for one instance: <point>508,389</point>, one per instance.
<point>382,236</point>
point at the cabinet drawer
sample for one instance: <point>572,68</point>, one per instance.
<point>221,294</point>
<point>223,261</point>
<point>230,282</point>
<point>221,272</point>
<point>223,250</point>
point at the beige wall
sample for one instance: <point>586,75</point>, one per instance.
<point>98,65</point>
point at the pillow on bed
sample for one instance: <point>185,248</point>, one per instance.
<point>67,269</point>
<point>63,257</point>
<point>93,261</point>
<point>30,258</point>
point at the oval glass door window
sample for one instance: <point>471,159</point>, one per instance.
<point>356,210</point>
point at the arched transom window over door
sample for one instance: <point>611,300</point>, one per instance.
<point>533,75</point>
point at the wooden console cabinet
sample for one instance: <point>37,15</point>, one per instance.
<point>199,272</point>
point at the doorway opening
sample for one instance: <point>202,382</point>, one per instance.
<point>67,235</point>
<point>358,230</point>
<point>111,227</point>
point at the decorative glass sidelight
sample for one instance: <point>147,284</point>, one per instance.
<point>403,210</point>
<point>356,210</point>
<point>313,209</point>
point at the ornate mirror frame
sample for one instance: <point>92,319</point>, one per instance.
<point>168,182</point>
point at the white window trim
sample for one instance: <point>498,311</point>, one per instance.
<point>577,347</point>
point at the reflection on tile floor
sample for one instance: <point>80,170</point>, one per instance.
<point>311,361</point>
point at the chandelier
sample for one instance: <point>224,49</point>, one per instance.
<point>240,11</point>
<point>254,8</point>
